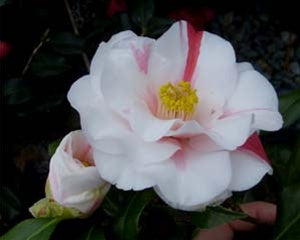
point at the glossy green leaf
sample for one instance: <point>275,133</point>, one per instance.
<point>214,216</point>
<point>6,2</point>
<point>289,106</point>
<point>32,229</point>
<point>127,226</point>
<point>96,232</point>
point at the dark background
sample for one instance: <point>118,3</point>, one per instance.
<point>34,109</point>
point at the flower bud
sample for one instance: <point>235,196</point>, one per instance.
<point>74,187</point>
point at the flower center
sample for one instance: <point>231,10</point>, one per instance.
<point>177,101</point>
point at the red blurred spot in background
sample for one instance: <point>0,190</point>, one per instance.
<point>116,6</point>
<point>199,18</point>
<point>5,49</point>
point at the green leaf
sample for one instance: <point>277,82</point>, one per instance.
<point>95,233</point>
<point>16,92</point>
<point>214,216</point>
<point>52,146</point>
<point>6,2</point>
<point>289,106</point>
<point>158,26</point>
<point>142,13</point>
<point>293,170</point>
<point>10,205</point>
<point>292,115</point>
<point>127,226</point>
<point>280,155</point>
<point>289,205</point>
<point>48,65</point>
<point>32,229</point>
<point>289,214</point>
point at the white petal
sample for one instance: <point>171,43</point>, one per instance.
<point>203,143</point>
<point>255,94</point>
<point>87,201</point>
<point>81,95</point>
<point>168,56</point>
<point>97,120</point>
<point>203,178</point>
<point>119,170</point>
<point>84,201</point>
<point>267,120</point>
<point>186,130</point>
<point>247,170</point>
<point>122,80</point>
<point>216,74</point>
<point>148,126</point>
<point>100,55</point>
<point>68,176</point>
<point>216,201</point>
<point>244,66</point>
<point>231,132</point>
<point>131,167</point>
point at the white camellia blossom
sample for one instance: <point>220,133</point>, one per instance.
<point>177,114</point>
<point>74,181</point>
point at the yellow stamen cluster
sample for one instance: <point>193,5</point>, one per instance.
<point>177,101</point>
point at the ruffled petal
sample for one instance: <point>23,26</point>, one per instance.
<point>199,181</point>
<point>186,129</point>
<point>97,119</point>
<point>68,176</point>
<point>231,132</point>
<point>215,75</point>
<point>255,95</point>
<point>146,125</point>
<point>99,58</point>
<point>168,56</point>
<point>81,95</point>
<point>247,170</point>
<point>121,81</point>
<point>120,171</point>
<point>132,166</point>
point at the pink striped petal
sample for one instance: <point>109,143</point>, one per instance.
<point>254,145</point>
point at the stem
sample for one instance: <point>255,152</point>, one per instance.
<point>36,49</point>
<point>75,30</point>
<point>144,30</point>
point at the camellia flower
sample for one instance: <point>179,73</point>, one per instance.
<point>74,187</point>
<point>177,114</point>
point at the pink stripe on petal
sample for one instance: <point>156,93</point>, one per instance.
<point>194,39</point>
<point>142,57</point>
<point>228,113</point>
<point>253,145</point>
